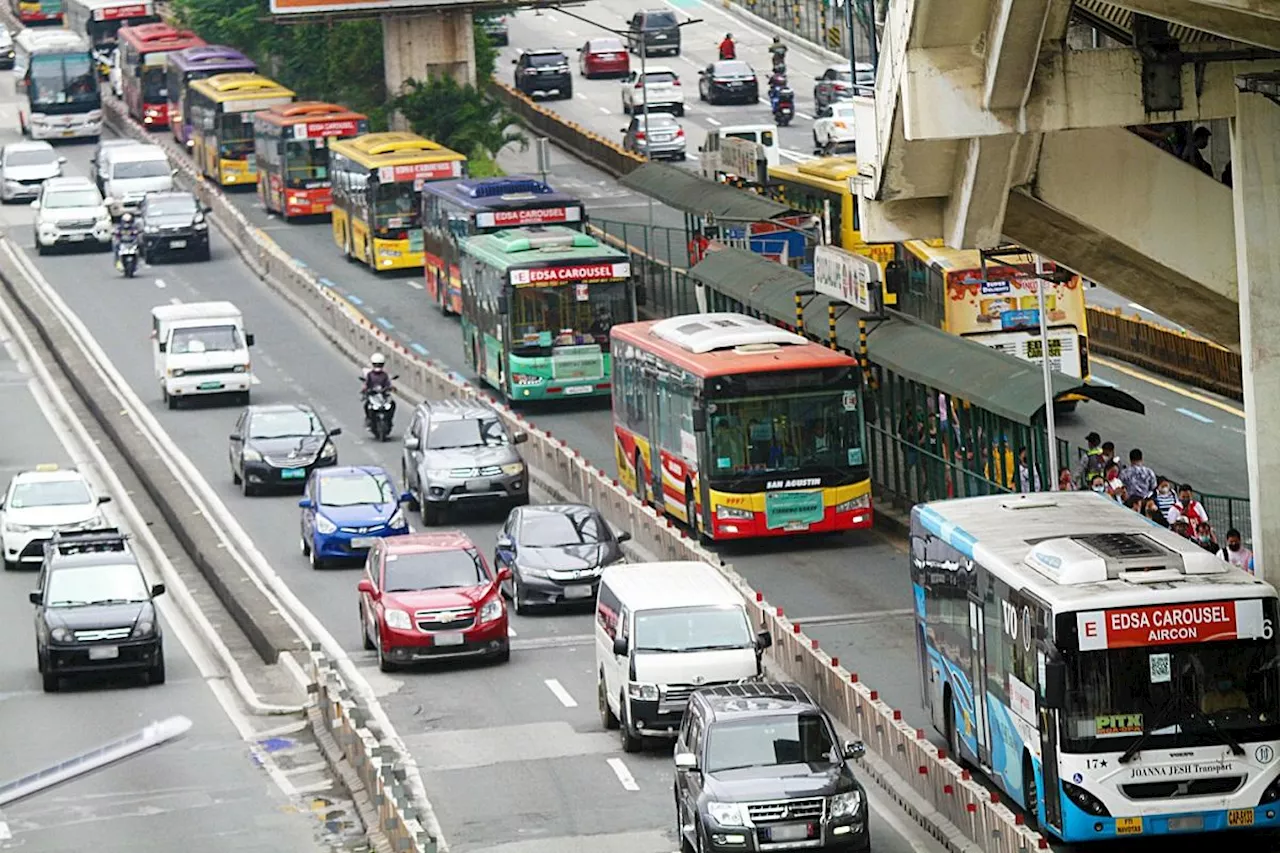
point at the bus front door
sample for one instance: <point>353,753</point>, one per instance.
<point>978,682</point>
<point>1050,795</point>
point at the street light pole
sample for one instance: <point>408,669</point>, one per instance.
<point>1046,370</point>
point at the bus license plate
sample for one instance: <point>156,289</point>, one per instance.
<point>1240,817</point>
<point>1194,823</point>
<point>578,389</point>
<point>177,244</point>
<point>208,386</point>
<point>104,652</point>
<point>1128,826</point>
<point>452,638</point>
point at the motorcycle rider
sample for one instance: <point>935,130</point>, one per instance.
<point>376,378</point>
<point>727,48</point>
<point>126,231</point>
<point>778,52</point>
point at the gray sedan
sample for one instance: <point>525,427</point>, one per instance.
<point>660,136</point>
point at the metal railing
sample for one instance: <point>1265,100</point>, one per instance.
<point>1180,355</point>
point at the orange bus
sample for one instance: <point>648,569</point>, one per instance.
<point>739,428</point>
<point>291,142</point>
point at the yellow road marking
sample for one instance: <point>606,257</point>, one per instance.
<point>1168,386</point>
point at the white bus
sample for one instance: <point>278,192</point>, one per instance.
<point>55,75</point>
<point>100,20</point>
<point>1127,680</point>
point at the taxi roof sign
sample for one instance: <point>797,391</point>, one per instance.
<point>47,466</point>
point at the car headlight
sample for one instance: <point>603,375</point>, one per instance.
<point>534,573</point>
<point>178,371</point>
<point>513,469</point>
<point>60,635</point>
<point>18,528</point>
<point>152,229</point>
<point>251,455</point>
<point>643,692</point>
<point>144,628</point>
<point>845,805</point>
<point>329,451</point>
<point>397,619</point>
<point>200,225</point>
<point>439,473</point>
<point>324,525</point>
<point>726,814</point>
<point>491,610</point>
<point>397,520</point>
<point>733,513</point>
<point>863,502</point>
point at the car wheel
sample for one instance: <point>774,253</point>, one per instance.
<point>503,656</point>
<point>303,545</point>
<point>235,475</point>
<point>519,607</point>
<point>384,664</point>
<point>170,400</point>
<point>49,680</point>
<point>626,110</point>
<point>430,515</point>
<point>246,488</point>
<point>679,111</point>
<point>567,94</point>
<point>10,566</point>
<point>204,254</point>
<point>155,675</point>
<point>607,719</point>
<point>364,632</point>
<point>40,250</point>
<point>317,562</point>
<point>631,742</point>
<point>414,504</point>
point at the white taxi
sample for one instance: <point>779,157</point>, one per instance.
<point>834,132</point>
<point>40,501</point>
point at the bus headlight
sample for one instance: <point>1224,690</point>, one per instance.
<point>1085,801</point>
<point>863,502</point>
<point>729,513</point>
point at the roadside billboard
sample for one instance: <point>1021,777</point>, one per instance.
<point>321,7</point>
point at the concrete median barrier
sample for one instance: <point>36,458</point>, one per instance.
<point>910,768</point>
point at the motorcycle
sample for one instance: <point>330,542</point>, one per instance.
<point>379,409</point>
<point>127,257</point>
<point>783,102</point>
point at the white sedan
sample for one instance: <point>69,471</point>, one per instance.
<point>660,84</point>
<point>40,501</point>
<point>835,131</point>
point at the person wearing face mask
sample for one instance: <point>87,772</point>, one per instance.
<point>1206,539</point>
<point>1164,497</point>
<point>1223,695</point>
<point>1235,553</point>
<point>1190,508</point>
<point>1098,484</point>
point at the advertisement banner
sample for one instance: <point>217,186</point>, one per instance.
<point>320,7</point>
<point>741,158</point>
<point>119,13</point>
<point>1008,299</point>
<point>322,129</point>
<point>577,272</point>
<point>850,278</point>
<point>531,216</point>
<point>1171,624</point>
<point>420,171</point>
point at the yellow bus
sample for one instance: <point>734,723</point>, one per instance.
<point>221,109</point>
<point>947,288</point>
<point>377,186</point>
<point>805,186</point>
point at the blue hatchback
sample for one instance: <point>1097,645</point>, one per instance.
<point>345,509</point>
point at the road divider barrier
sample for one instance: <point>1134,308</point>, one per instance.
<point>1180,355</point>
<point>933,784</point>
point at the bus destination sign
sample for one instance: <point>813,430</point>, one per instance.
<point>543,276</point>
<point>420,171</point>
<point>1171,624</point>
<point>530,216</point>
<point>119,13</point>
<point>323,129</point>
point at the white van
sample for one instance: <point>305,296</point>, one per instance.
<point>201,348</point>
<point>764,135</point>
<point>132,171</point>
<point>662,631</point>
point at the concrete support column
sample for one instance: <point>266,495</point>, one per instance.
<point>422,45</point>
<point>1255,165</point>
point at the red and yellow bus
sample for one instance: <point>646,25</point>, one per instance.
<point>739,428</point>
<point>144,51</point>
<point>291,142</point>
<point>37,11</point>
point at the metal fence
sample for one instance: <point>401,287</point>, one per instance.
<point>1180,355</point>
<point>821,22</point>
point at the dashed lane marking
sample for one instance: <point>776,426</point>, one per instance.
<point>160,283</point>
<point>416,285</point>
<point>354,300</point>
<point>710,120</point>
<point>1195,416</point>
<point>620,770</point>
<point>557,690</point>
<point>385,323</point>
<point>853,618</point>
<point>419,349</point>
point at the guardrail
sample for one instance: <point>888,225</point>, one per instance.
<point>1179,355</point>
<point>976,813</point>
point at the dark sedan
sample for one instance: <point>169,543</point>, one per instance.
<point>279,445</point>
<point>728,81</point>
<point>556,553</point>
<point>173,223</point>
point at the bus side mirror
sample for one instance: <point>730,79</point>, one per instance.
<point>163,346</point>
<point>699,419</point>
<point>895,277</point>
<point>502,305</point>
<point>1055,684</point>
<point>248,340</point>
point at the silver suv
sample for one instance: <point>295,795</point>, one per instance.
<point>458,452</point>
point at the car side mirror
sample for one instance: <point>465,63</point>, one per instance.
<point>519,437</point>
<point>505,542</point>
<point>620,646</point>
<point>204,208</point>
<point>622,130</point>
<point>764,640</point>
<point>686,761</point>
<point>366,586</point>
<point>163,347</point>
<point>624,536</point>
<point>248,340</point>
<point>62,160</point>
<point>854,750</point>
<point>410,442</point>
<point>335,431</point>
<point>515,62</point>
<point>35,596</point>
<point>817,79</point>
<point>504,575</point>
<point>235,436</point>
<point>406,497</point>
<point>1055,684</point>
<point>157,590</point>
<point>305,503</point>
<point>104,499</point>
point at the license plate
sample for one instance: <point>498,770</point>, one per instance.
<point>477,485</point>
<point>577,592</point>
<point>451,638</point>
<point>75,238</point>
<point>1128,826</point>
<point>1240,817</point>
<point>579,389</point>
<point>362,542</point>
<point>177,244</point>
<point>293,473</point>
<point>208,386</point>
<point>1186,824</point>
<point>789,832</point>
<point>68,133</point>
<point>104,652</point>
<point>795,525</point>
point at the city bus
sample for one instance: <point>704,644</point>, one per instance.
<point>37,11</point>
<point>946,288</point>
<point>291,143</point>
<point>143,53</point>
<point>820,185</point>
<point>55,76</point>
<point>538,304</point>
<point>455,210</point>
<point>377,187</point>
<point>739,428</point>
<point>100,21</point>
<point>197,63</point>
<point>1111,677</point>
<point>221,110</point>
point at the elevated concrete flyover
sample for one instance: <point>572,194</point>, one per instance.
<point>990,127</point>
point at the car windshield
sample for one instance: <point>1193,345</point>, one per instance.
<point>30,157</point>
<point>659,20</point>
<point>606,46</point>
<point>558,530</point>
<point>786,432</point>
<point>692,629</point>
<point>652,78</point>
<point>733,68</point>
<point>657,122</point>
<point>356,489</point>
<point>284,424</point>
<point>87,197</point>
<point>433,570</point>
<point>547,60</point>
<point>49,493</point>
<point>206,339</point>
<point>140,169</point>
<point>468,432</point>
<point>83,586</point>
<point>179,205</point>
<point>769,742</point>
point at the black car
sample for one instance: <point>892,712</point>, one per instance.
<point>494,26</point>
<point>654,31</point>
<point>543,72</point>
<point>556,553</point>
<point>279,445</point>
<point>728,81</point>
<point>759,767</point>
<point>172,223</point>
<point>94,609</point>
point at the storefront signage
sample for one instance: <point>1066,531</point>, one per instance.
<point>1170,624</point>
<point>420,171</point>
<point>531,216</point>
<point>579,272</point>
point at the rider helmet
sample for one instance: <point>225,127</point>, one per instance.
<point>377,359</point>
<point>127,218</point>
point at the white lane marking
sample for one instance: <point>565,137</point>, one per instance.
<point>1157,402</point>
<point>416,285</point>
<point>557,689</point>
<point>160,283</point>
<point>738,25</point>
<point>1098,380</point>
<point>1234,429</point>
<point>710,120</point>
<point>805,116</point>
<point>690,61</point>
<point>582,96</point>
<point>511,632</point>
<point>604,110</point>
<point>624,775</point>
<point>571,33</point>
<point>1195,416</point>
<point>552,18</point>
<point>5,834</point>
<point>890,813</point>
<point>175,301</point>
<point>851,618</point>
<point>796,155</point>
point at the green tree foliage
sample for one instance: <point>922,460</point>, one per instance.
<point>458,117</point>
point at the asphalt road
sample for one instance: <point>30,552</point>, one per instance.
<point>205,794</point>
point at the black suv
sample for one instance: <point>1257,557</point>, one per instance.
<point>173,223</point>
<point>759,767</point>
<point>543,72</point>
<point>94,609</point>
<point>654,31</point>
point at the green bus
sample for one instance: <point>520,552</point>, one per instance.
<point>537,307</point>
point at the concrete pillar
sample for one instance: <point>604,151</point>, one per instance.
<point>421,45</point>
<point>1255,165</point>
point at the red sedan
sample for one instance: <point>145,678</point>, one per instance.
<point>432,595</point>
<point>604,57</point>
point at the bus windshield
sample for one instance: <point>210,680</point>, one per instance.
<point>306,162</point>
<point>67,80</point>
<point>395,205</point>
<point>235,136</point>
<point>785,432</point>
<point>565,315</point>
<point>1176,694</point>
<point>155,88</point>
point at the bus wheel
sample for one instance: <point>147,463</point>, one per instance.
<point>1029,795</point>
<point>443,291</point>
<point>641,490</point>
<point>346,245</point>
<point>953,736</point>
<point>690,509</point>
